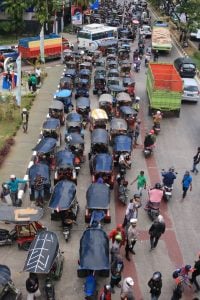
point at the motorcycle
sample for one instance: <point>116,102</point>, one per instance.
<point>90,287</point>
<point>167,192</point>
<point>49,289</point>
<point>156,128</point>
<point>136,66</point>
<point>7,237</point>
<point>123,192</point>
<point>153,209</point>
<point>148,151</point>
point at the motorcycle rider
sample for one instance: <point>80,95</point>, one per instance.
<point>155,231</point>
<point>168,177</point>
<point>150,139</point>
<point>127,287</point>
<point>124,160</point>
<point>157,117</point>
<point>155,194</point>
<point>155,284</point>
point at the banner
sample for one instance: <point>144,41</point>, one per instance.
<point>77,15</point>
<point>19,79</point>
<point>42,58</point>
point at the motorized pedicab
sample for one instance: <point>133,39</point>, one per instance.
<point>105,103</point>
<point>125,69</point>
<point>122,144</point>
<point>129,114</point>
<point>74,123</point>
<point>7,286</point>
<point>82,88</point>
<point>122,99</point>
<point>66,83</point>
<point>56,111</point>
<point>118,126</point>
<point>83,108</point>
<point>51,129</point>
<point>65,96</point>
<point>99,142</point>
<point>114,90</point>
<point>45,152</point>
<point>100,71</point>
<point>98,119</point>
<point>113,73</point>
<point>65,166</point>
<point>76,145</point>
<point>99,84</point>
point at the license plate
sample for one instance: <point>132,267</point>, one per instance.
<point>190,95</point>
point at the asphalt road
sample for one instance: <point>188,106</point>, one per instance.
<point>175,146</point>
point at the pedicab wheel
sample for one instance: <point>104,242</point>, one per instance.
<point>25,246</point>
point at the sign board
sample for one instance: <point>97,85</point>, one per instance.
<point>77,15</point>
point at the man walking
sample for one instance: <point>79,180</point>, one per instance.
<point>13,184</point>
<point>195,274</point>
<point>117,267</point>
<point>132,235</point>
<point>25,117</point>
<point>141,182</point>
<point>156,230</point>
<point>196,160</point>
<point>186,183</point>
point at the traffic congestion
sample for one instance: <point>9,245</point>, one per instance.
<point>110,180</point>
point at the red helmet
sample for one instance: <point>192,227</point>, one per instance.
<point>151,131</point>
<point>119,226</point>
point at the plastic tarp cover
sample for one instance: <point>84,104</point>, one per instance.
<point>103,162</point>
<point>128,110</point>
<point>19,215</point>
<point>41,169</point>
<point>46,145</point>
<point>118,124</point>
<point>75,138</point>
<point>64,158</point>
<point>74,117</point>
<point>63,93</point>
<point>94,250</point>
<point>122,143</point>
<point>63,195</point>
<point>42,253</point>
<point>5,275</point>
<point>99,136</point>
<point>51,124</point>
<point>83,102</point>
<point>98,196</point>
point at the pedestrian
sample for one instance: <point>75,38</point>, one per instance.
<point>196,160</point>
<point>106,293</point>
<point>136,132</point>
<point>29,82</point>
<point>118,230</point>
<point>32,287</point>
<point>132,209</point>
<point>186,183</point>
<point>155,284</point>
<point>141,182</point>
<point>115,248</point>
<point>38,75</point>
<point>39,182</point>
<point>195,274</point>
<point>117,267</point>
<point>156,230</point>
<point>25,117</point>
<point>33,80</point>
<point>132,236</point>
<point>127,287</point>
<point>13,185</point>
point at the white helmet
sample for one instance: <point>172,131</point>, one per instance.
<point>133,221</point>
<point>158,112</point>
<point>137,98</point>
<point>129,281</point>
<point>160,218</point>
<point>24,110</point>
<point>12,176</point>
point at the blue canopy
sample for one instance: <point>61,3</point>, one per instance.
<point>83,102</point>
<point>5,275</point>
<point>63,195</point>
<point>63,93</point>
<point>85,72</point>
<point>98,196</point>
<point>76,138</point>
<point>94,250</point>
<point>64,158</point>
<point>70,73</point>
<point>127,110</point>
<point>51,124</point>
<point>99,136</point>
<point>116,88</point>
<point>74,117</point>
<point>41,169</point>
<point>103,162</point>
<point>122,143</point>
<point>46,145</point>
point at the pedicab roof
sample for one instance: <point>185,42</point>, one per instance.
<point>64,158</point>
<point>42,253</point>
<point>84,72</point>
<point>123,97</point>
<point>94,250</point>
<point>105,98</point>
<point>122,143</point>
<point>118,124</point>
<point>70,72</point>
<point>98,196</point>
<point>56,105</point>
<point>76,138</point>
<point>41,169</point>
<point>74,117</point>
<point>5,275</point>
<point>127,110</point>
<point>20,215</point>
<point>98,114</point>
<point>46,145</point>
<point>116,88</point>
<point>63,195</point>
<point>51,123</point>
<point>99,136</point>
<point>63,93</point>
<point>83,102</point>
<point>103,162</point>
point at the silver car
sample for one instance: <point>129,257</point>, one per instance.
<point>190,90</point>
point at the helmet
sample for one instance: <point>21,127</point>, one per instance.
<point>119,226</point>
<point>176,273</point>
<point>12,176</point>
<point>171,169</point>
<point>137,98</point>
<point>136,196</point>
<point>151,131</point>
<point>129,281</point>
<point>160,218</point>
<point>24,110</point>
<point>133,221</point>
<point>107,287</point>
<point>157,275</point>
<point>158,186</point>
<point>5,186</point>
<point>188,267</point>
<point>118,237</point>
<point>158,112</point>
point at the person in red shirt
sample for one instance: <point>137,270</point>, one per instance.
<point>106,293</point>
<point>118,230</point>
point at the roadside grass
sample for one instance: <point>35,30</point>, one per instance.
<point>196,58</point>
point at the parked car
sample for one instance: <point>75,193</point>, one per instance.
<point>146,30</point>
<point>191,90</point>
<point>195,34</point>
<point>185,66</point>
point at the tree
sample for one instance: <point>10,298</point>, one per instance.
<point>15,10</point>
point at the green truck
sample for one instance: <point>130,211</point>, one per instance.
<point>164,88</point>
<point>161,38</point>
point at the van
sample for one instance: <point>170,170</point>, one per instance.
<point>185,66</point>
<point>190,90</point>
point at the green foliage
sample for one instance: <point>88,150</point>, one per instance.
<point>192,9</point>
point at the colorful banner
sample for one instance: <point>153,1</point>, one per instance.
<point>19,80</point>
<point>77,15</point>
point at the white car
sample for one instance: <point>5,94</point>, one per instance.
<point>195,35</point>
<point>190,90</point>
<point>146,30</point>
